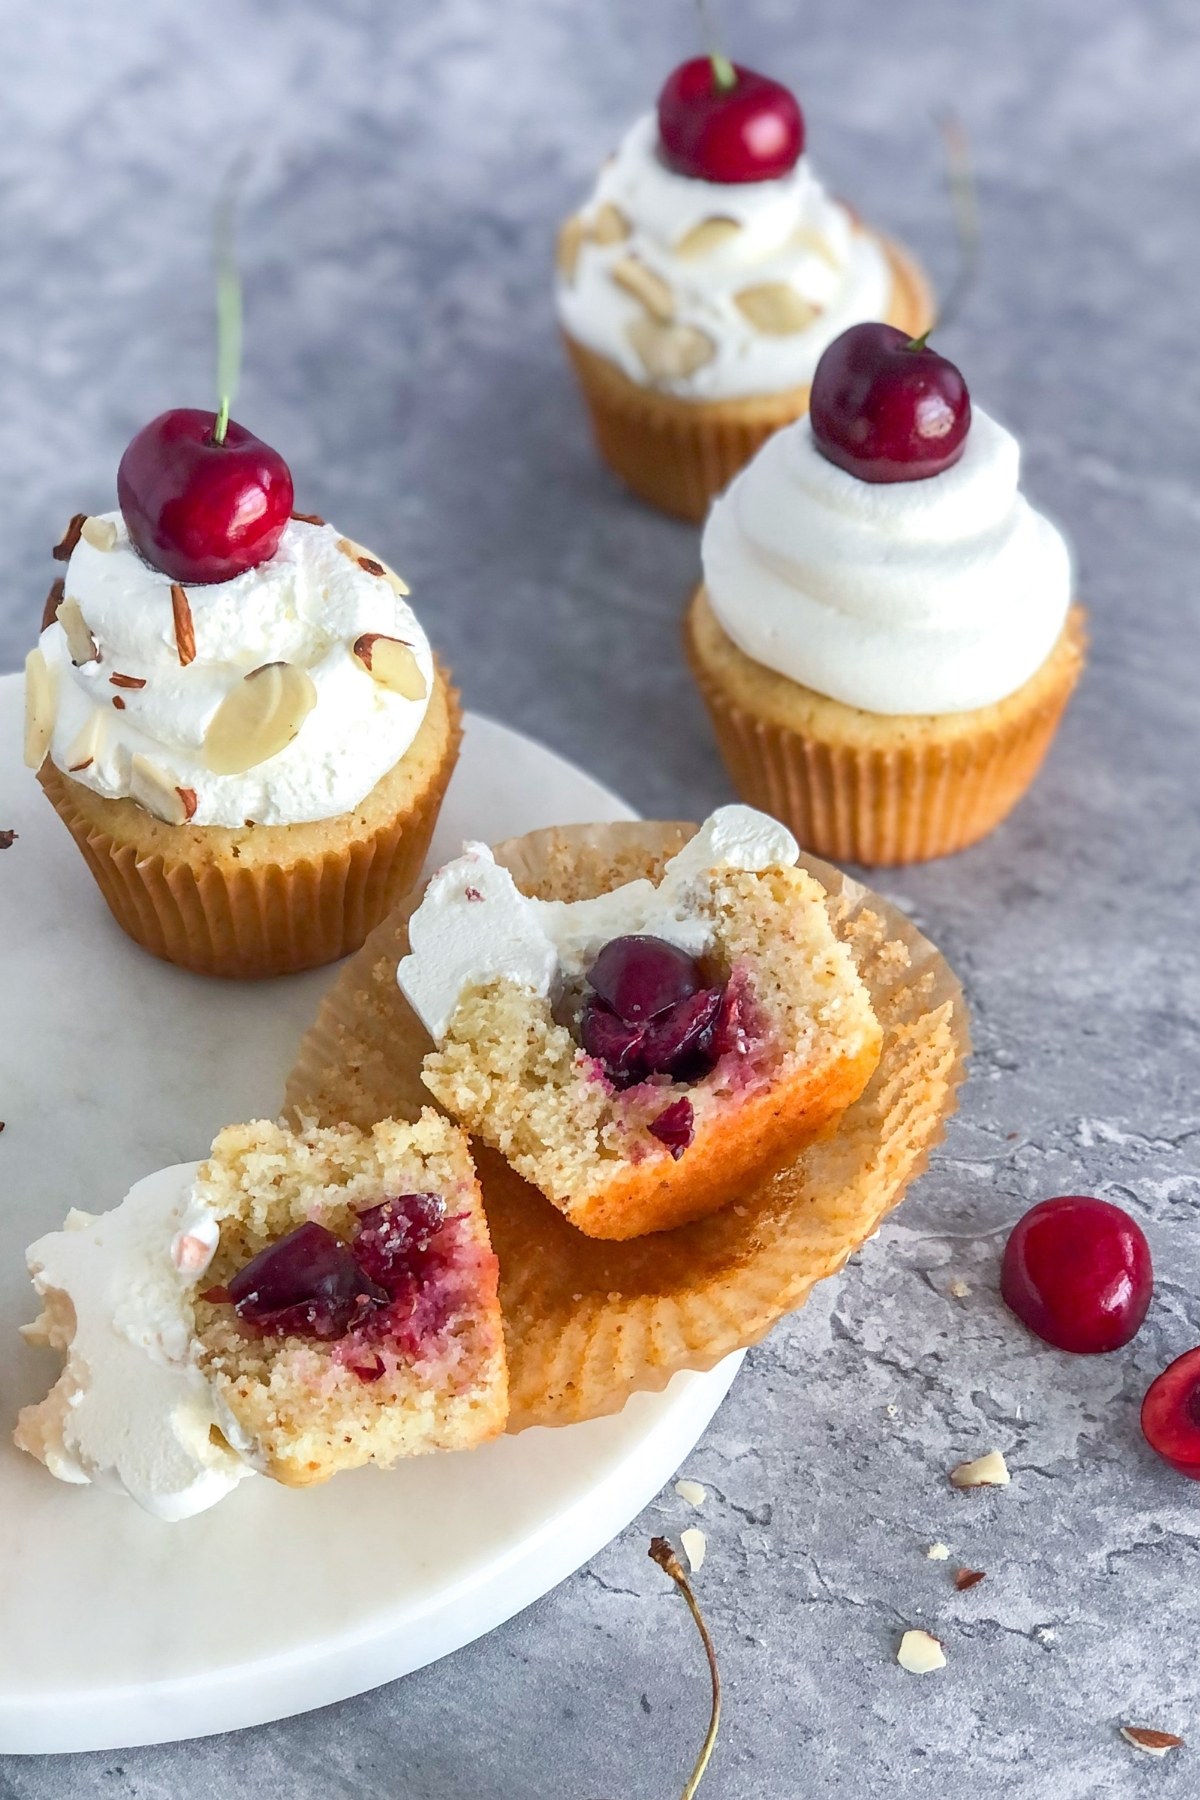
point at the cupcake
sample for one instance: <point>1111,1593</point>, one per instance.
<point>235,711</point>
<point>885,635</point>
<point>307,1302</point>
<point>701,282</point>
<point>642,1055</point>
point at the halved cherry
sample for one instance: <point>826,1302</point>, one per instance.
<point>1171,1414</point>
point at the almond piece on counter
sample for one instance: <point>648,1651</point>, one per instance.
<point>86,746</point>
<point>70,537</point>
<point>1154,1743</point>
<point>775,308</point>
<point>258,718</point>
<point>185,630</point>
<point>608,225</point>
<point>708,236</point>
<point>81,645</point>
<point>968,1578</point>
<point>54,600</point>
<point>158,793</point>
<point>670,352</point>
<point>362,557</point>
<point>986,1471</point>
<point>572,234</point>
<point>938,1552</point>
<point>691,1491</point>
<point>101,534</point>
<point>920,1653</point>
<point>645,286</point>
<point>695,1546</point>
<point>39,709</point>
<point>392,664</point>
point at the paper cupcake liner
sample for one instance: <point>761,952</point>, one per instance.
<point>678,454</point>
<point>254,920</point>
<point>881,805</point>
<point>589,1322</point>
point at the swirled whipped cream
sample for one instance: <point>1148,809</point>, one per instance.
<point>930,596</point>
<point>132,717</point>
<point>131,1410</point>
<point>714,290</point>
<point>474,924</point>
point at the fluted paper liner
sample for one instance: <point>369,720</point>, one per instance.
<point>311,899</point>
<point>677,454</point>
<point>590,1322</point>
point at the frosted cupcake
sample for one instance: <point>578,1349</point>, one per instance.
<point>235,711</point>
<point>885,636</point>
<point>699,285</point>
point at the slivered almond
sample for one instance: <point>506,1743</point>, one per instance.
<point>101,534</point>
<point>258,718</point>
<point>645,286</point>
<point>70,537</point>
<point>185,630</point>
<point>670,352</point>
<point>127,681</point>
<point>81,645</point>
<point>308,518</point>
<point>608,225</point>
<point>392,664</point>
<point>1154,1743</point>
<point>53,601</point>
<point>707,237</point>
<point>776,309</point>
<point>86,746</point>
<point>157,793</point>
<point>571,236</point>
<point>39,709</point>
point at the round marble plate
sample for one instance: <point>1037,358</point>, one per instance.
<point>118,1629</point>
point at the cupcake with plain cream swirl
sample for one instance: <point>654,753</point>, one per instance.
<point>699,285</point>
<point>643,1054</point>
<point>885,636</point>
<point>236,711</point>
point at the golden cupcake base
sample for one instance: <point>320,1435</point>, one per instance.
<point>678,454</point>
<point>876,788</point>
<point>265,900</point>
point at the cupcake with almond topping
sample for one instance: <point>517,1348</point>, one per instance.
<point>699,285</point>
<point>235,711</point>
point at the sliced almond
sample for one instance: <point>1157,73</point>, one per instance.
<point>808,239</point>
<point>775,308</point>
<point>39,709</point>
<point>704,239</point>
<point>986,1471</point>
<point>101,534</point>
<point>372,565</point>
<point>695,1546</point>
<point>1154,1743</point>
<point>691,1491</point>
<point>53,602</point>
<point>938,1552</point>
<point>608,225</point>
<point>70,537</point>
<point>158,794</point>
<point>127,681</point>
<point>81,645</point>
<point>670,352</point>
<point>968,1578</point>
<point>86,746</point>
<point>392,664</point>
<point>920,1653</point>
<point>572,234</point>
<point>650,289</point>
<point>258,718</point>
<point>185,630</point>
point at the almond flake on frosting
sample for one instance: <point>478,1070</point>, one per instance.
<point>706,238</point>
<point>775,308</point>
<point>39,709</point>
<point>356,553</point>
<point>258,718</point>
<point>185,630</point>
<point>670,352</point>
<point>808,239</point>
<point>63,550</point>
<point>86,745</point>
<point>101,534</point>
<point>571,235</point>
<point>986,1471</point>
<point>608,225</point>
<point>650,289</point>
<point>1154,1743</point>
<point>920,1653</point>
<point>391,663</point>
<point>158,794</point>
<point>81,645</point>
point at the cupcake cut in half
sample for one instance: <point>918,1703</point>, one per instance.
<point>640,1054</point>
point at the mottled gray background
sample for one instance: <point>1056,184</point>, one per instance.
<point>412,162</point>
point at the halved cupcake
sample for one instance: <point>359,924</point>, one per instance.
<point>702,280</point>
<point>640,1055</point>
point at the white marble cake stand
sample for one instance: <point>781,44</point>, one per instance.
<point>120,1630</point>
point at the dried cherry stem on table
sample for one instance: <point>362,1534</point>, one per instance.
<point>661,1552</point>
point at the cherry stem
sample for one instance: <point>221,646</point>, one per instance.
<point>229,293</point>
<point>662,1553</point>
<point>724,73</point>
<point>965,202</point>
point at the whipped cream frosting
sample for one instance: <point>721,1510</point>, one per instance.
<point>136,1413</point>
<point>474,925</point>
<point>930,596</point>
<point>307,605</point>
<point>787,233</point>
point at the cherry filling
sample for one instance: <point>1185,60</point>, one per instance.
<point>387,1288</point>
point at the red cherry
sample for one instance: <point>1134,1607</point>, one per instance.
<point>752,130</point>
<point>886,408</point>
<point>640,977</point>
<point>1077,1272</point>
<point>198,510</point>
<point>1171,1414</point>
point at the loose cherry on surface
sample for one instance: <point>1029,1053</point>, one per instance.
<point>747,129</point>
<point>1077,1272</point>
<point>1171,1414</point>
<point>887,408</point>
<point>200,510</point>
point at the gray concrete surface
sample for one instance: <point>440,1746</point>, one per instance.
<point>412,163</point>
